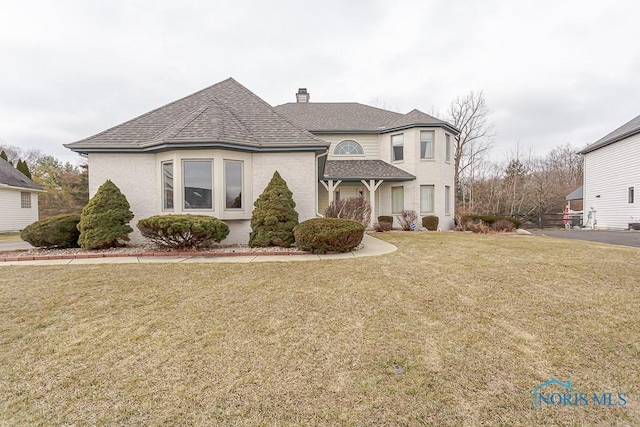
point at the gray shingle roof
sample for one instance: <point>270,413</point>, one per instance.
<point>355,170</point>
<point>624,131</point>
<point>353,117</point>
<point>225,113</point>
<point>12,177</point>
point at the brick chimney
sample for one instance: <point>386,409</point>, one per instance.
<point>302,95</point>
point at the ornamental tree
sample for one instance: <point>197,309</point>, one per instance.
<point>274,215</point>
<point>105,219</point>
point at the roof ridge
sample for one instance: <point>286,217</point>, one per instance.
<point>236,120</point>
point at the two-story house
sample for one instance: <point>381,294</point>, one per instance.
<point>397,161</point>
<point>213,153</point>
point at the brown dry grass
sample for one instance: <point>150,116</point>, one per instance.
<point>475,321</point>
<point>10,237</point>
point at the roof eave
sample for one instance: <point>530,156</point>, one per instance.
<point>426,125</point>
<point>360,178</point>
<point>596,146</point>
<point>169,145</point>
<point>13,187</point>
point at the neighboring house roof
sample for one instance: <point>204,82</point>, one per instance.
<point>225,115</point>
<point>338,117</point>
<point>12,177</point>
<point>624,131</point>
<point>355,170</point>
<point>576,194</point>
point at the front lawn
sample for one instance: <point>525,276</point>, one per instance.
<point>452,329</point>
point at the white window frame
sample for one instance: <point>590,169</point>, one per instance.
<point>432,201</point>
<point>398,190</point>
<point>241,184</point>
<point>429,154</point>
<point>394,144</point>
<point>447,200</point>
<point>184,201</point>
<point>25,200</point>
<point>173,188</point>
<point>447,148</point>
<point>348,145</point>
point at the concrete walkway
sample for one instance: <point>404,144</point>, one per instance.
<point>372,247</point>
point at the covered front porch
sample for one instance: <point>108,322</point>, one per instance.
<point>359,178</point>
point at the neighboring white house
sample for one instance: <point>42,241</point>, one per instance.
<point>611,177</point>
<point>18,199</point>
<point>213,152</point>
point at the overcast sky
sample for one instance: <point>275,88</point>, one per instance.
<point>553,72</point>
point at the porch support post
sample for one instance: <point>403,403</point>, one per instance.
<point>331,186</point>
<point>372,186</point>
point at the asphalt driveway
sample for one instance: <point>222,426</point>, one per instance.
<point>622,237</point>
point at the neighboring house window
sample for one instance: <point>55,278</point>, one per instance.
<point>631,195</point>
<point>233,184</point>
<point>167,186</point>
<point>198,184</point>
<point>336,195</point>
<point>447,200</point>
<point>397,145</point>
<point>426,144</point>
<point>397,200</point>
<point>25,200</point>
<point>427,198</point>
<point>447,148</point>
<point>360,194</point>
<point>348,148</point>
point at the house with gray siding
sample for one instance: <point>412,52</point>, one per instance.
<point>612,179</point>
<point>213,153</point>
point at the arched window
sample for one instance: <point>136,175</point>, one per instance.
<point>348,148</point>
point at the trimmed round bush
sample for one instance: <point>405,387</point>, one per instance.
<point>60,231</point>
<point>430,222</point>
<point>321,235</point>
<point>183,231</point>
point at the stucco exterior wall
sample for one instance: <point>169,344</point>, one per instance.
<point>139,177</point>
<point>437,172</point>
<point>300,172</point>
<point>609,172</point>
<point>13,217</point>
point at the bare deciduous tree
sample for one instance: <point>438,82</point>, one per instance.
<point>469,114</point>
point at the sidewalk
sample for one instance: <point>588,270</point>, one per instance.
<point>372,247</point>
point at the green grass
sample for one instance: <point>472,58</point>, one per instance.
<point>475,321</point>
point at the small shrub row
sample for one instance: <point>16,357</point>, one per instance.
<point>60,231</point>
<point>430,222</point>
<point>183,231</point>
<point>489,219</point>
<point>385,223</point>
<point>407,218</point>
<point>321,235</point>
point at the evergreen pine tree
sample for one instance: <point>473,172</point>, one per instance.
<point>105,219</point>
<point>22,167</point>
<point>3,155</point>
<point>274,216</point>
